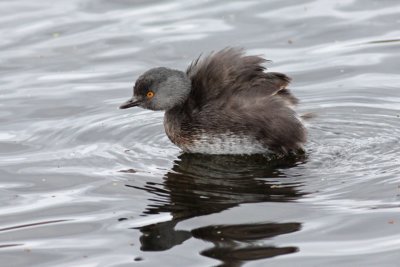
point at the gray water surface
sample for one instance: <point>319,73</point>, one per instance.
<point>85,184</point>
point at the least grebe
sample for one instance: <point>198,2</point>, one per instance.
<point>224,103</point>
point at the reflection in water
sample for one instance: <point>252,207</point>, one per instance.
<point>201,184</point>
<point>234,244</point>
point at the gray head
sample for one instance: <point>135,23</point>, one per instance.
<point>159,89</point>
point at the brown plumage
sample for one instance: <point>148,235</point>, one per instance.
<point>225,103</point>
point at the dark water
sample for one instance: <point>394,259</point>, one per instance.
<point>85,184</point>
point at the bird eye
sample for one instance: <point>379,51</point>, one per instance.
<point>150,94</point>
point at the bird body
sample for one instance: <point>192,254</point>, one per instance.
<point>224,104</point>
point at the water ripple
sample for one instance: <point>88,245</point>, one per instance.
<point>83,182</point>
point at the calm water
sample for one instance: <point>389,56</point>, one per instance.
<point>85,184</point>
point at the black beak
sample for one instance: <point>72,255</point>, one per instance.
<point>130,103</point>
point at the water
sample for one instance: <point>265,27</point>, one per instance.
<point>85,184</point>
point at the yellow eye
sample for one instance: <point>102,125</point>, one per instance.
<point>150,94</point>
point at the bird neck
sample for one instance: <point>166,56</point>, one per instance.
<point>179,95</point>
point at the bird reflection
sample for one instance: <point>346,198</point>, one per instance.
<point>203,184</point>
<point>235,244</point>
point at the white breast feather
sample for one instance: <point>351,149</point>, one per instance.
<point>225,144</point>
